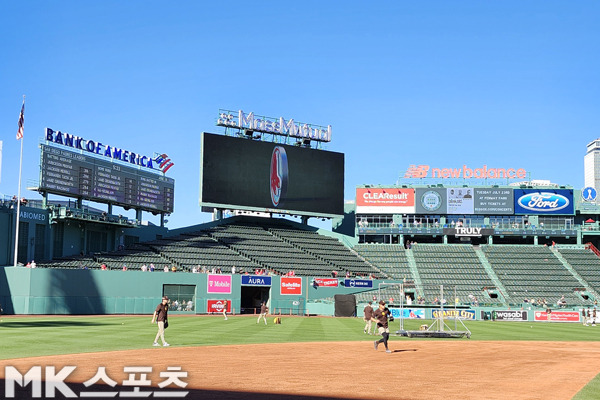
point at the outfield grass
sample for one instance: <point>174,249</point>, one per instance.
<point>32,336</point>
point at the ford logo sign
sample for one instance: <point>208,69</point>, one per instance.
<point>543,201</point>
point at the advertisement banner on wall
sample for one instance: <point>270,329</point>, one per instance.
<point>494,201</point>
<point>460,200</point>
<point>430,201</point>
<point>291,285</point>
<point>326,282</point>
<point>452,314</point>
<point>506,315</point>
<point>256,280</point>
<point>557,316</point>
<point>385,201</point>
<point>408,313</point>
<point>218,283</point>
<point>358,283</point>
<point>544,202</point>
<point>216,306</point>
<point>468,232</point>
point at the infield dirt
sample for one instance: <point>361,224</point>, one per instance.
<point>459,369</point>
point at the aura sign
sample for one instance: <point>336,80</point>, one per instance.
<point>275,126</point>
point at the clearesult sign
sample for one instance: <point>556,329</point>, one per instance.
<point>385,200</point>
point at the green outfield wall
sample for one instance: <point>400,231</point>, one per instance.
<point>40,291</point>
<point>80,291</point>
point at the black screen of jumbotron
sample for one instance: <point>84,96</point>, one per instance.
<point>235,172</point>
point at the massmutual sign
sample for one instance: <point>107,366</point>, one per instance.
<point>276,126</point>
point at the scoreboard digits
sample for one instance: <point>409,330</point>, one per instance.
<point>72,174</point>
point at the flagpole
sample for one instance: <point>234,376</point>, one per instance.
<point>19,199</point>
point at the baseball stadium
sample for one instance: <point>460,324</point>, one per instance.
<point>488,281</point>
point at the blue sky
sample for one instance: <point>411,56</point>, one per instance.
<point>444,83</point>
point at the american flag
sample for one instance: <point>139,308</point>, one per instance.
<point>21,122</point>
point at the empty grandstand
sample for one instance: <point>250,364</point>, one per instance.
<point>248,244</point>
<point>390,259</point>
<point>454,266</point>
<point>533,272</point>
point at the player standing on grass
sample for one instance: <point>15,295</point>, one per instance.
<point>263,312</point>
<point>381,317</point>
<point>225,309</point>
<point>160,316</point>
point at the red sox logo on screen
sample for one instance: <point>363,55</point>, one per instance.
<point>279,175</point>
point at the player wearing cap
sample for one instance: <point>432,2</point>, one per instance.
<point>381,317</point>
<point>160,316</point>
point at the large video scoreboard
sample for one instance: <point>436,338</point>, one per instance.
<point>73,174</point>
<point>243,174</point>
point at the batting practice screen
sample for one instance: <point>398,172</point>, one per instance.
<point>245,174</point>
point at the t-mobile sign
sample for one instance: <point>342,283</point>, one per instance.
<point>218,283</point>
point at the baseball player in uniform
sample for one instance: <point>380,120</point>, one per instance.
<point>225,309</point>
<point>263,312</point>
<point>381,316</point>
<point>160,316</point>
